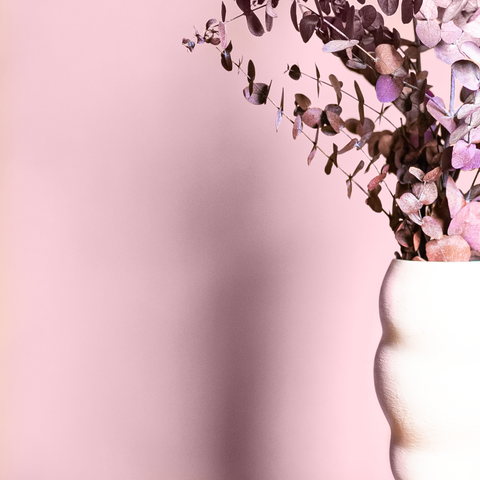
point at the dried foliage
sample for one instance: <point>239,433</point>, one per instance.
<point>432,219</point>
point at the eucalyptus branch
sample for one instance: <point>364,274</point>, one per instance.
<point>378,54</point>
<point>323,82</point>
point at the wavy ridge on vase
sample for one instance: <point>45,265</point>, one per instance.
<point>427,369</point>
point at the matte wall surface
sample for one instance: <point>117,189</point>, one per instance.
<point>186,299</point>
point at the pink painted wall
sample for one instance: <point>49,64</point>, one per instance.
<point>186,299</point>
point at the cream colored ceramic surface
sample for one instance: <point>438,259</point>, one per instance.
<point>427,369</point>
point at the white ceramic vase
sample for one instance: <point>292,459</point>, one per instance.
<point>427,369</point>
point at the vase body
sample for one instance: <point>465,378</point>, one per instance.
<point>427,369</point>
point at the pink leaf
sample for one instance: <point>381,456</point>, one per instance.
<point>312,117</point>
<point>426,192</point>
<point>437,110</point>
<point>448,249</point>
<point>471,50</point>
<point>467,73</point>
<point>387,59</point>
<point>376,181</point>
<point>465,156</point>
<point>450,32</point>
<point>417,172</point>
<point>433,175</point>
<point>472,28</point>
<point>431,227</point>
<point>222,33</point>
<point>467,109</point>
<point>467,224</point>
<point>297,127</point>
<point>335,121</point>
<point>447,53</point>
<point>455,198</point>
<point>429,32</point>
<point>409,203</point>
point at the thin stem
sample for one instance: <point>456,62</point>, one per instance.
<point>475,179</point>
<point>452,92</point>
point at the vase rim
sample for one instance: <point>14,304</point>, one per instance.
<point>410,264</point>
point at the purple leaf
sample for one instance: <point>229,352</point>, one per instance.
<point>388,89</point>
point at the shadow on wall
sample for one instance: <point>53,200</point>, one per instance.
<point>226,228</point>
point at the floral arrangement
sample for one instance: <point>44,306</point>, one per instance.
<point>432,219</point>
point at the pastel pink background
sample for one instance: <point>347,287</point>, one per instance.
<point>184,298</point>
